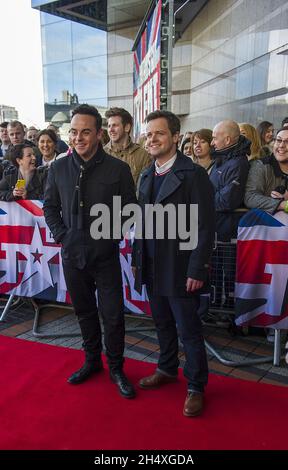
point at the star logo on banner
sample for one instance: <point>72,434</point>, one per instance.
<point>42,255</point>
<point>37,256</point>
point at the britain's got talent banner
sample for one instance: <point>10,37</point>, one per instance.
<point>30,260</point>
<point>146,70</point>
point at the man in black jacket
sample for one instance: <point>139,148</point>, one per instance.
<point>228,176</point>
<point>173,273</point>
<point>75,184</point>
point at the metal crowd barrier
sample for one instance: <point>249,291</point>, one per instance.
<point>221,310</point>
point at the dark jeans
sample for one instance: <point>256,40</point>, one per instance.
<point>82,284</point>
<point>170,314</point>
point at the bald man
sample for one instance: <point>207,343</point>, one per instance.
<point>228,176</point>
<point>225,134</point>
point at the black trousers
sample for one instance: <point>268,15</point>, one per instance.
<point>173,316</point>
<point>105,276</point>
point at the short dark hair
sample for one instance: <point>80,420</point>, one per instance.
<point>282,129</point>
<point>4,124</point>
<point>91,111</point>
<point>285,121</point>
<point>171,118</point>
<point>50,133</point>
<point>17,152</point>
<point>126,117</point>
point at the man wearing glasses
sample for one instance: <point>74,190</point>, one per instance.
<point>267,182</point>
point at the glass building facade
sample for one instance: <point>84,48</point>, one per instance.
<point>232,62</point>
<point>74,59</point>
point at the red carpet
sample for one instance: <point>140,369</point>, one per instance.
<point>39,410</point>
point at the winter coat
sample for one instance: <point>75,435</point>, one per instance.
<point>186,183</point>
<point>73,187</point>
<point>229,176</point>
<point>35,188</point>
<point>264,176</point>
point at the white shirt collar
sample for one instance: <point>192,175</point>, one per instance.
<point>166,166</point>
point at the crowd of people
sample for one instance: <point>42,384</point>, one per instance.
<point>224,171</point>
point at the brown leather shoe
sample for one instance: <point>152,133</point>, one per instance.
<point>193,405</point>
<point>156,380</point>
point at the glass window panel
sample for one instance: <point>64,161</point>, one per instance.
<point>90,79</point>
<point>46,18</point>
<point>57,80</point>
<point>87,41</point>
<point>37,3</point>
<point>56,42</point>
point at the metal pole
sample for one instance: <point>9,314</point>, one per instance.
<point>170,54</point>
<point>277,348</point>
<point>7,306</point>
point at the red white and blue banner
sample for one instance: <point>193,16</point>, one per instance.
<point>261,289</point>
<point>30,260</point>
<point>146,70</point>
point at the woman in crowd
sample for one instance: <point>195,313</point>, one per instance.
<point>186,147</point>
<point>251,134</point>
<point>202,149</point>
<point>22,180</point>
<point>266,133</point>
<point>267,183</point>
<point>47,143</point>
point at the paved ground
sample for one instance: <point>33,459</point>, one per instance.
<point>141,342</point>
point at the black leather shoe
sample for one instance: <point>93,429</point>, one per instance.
<point>126,389</point>
<point>88,369</point>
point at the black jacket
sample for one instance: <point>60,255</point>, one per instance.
<point>35,187</point>
<point>186,183</point>
<point>69,198</point>
<point>229,176</point>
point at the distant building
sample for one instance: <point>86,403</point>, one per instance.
<point>8,113</point>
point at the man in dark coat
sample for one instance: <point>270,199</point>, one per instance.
<point>75,184</point>
<point>173,271</point>
<point>228,176</point>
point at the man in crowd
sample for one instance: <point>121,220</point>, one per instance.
<point>120,124</point>
<point>174,275</point>
<point>4,139</point>
<point>31,134</point>
<point>228,176</point>
<point>16,134</point>
<point>75,184</point>
<point>284,124</point>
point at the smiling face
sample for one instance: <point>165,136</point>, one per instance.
<point>280,148</point>
<point>84,135</point>
<point>268,135</point>
<point>116,129</point>
<point>160,143</point>
<point>46,147</point>
<point>28,161</point>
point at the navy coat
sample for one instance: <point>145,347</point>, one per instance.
<point>186,183</point>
